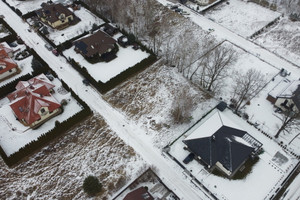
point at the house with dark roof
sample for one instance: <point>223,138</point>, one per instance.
<point>32,102</point>
<point>8,67</point>
<point>218,143</point>
<point>139,194</point>
<point>97,45</point>
<point>286,95</point>
<point>57,16</point>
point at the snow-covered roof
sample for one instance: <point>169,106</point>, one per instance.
<point>30,96</point>
<point>284,88</point>
<point>208,127</point>
<point>219,141</point>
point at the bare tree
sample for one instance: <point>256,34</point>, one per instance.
<point>246,86</point>
<point>289,121</point>
<point>215,65</point>
<point>182,107</point>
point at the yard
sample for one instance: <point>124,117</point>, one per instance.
<point>58,170</point>
<point>243,18</point>
<point>283,39</point>
<point>104,71</point>
<point>274,164</point>
<point>87,18</point>
<point>24,64</point>
<point>15,135</point>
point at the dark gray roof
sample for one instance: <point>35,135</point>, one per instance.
<point>223,146</point>
<point>296,97</point>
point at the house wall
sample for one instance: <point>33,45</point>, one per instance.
<point>279,101</point>
<point>8,73</point>
<point>45,116</point>
<point>60,23</point>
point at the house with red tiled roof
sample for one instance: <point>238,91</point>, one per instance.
<point>8,67</point>
<point>33,102</point>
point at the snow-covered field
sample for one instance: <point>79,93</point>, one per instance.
<point>87,20</point>
<point>283,39</point>
<point>28,6</point>
<point>58,170</point>
<point>3,31</point>
<point>24,65</point>
<point>243,18</point>
<point>15,135</point>
<point>253,186</point>
<point>104,71</point>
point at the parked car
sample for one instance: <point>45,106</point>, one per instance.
<point>86,82</point>
<point>55,52</point>
<point>49,47</point>
<point>189,158</point>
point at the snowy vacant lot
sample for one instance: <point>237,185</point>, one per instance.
<point>283,38</point>
<point>104,71</point>
<point>148,99</point>
<point>274,165</point>
<point>243,18</point>
<point>58,170</point>
<point>15,135</point>
<point>244,62</point>
<point>28,6</point>
<point>3,31</point>
<point>24,65</point>
<point>87,20</point>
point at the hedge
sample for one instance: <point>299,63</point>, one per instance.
<point>12,36</point>
<point>44,139</point>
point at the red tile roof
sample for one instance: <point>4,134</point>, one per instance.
<point>6,63</point>
<point>30,97</point>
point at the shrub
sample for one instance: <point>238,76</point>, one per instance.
<point>91,185</point>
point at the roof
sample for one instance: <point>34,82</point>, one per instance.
<point>98,43</point>
<point>30,97</point>
<point>6,63</point>
<point>139,194</point>
<point>287,89</point>
<point>34,85</point>
<point>218,140</point>
<point>296,97</point>
<point>53,11</point>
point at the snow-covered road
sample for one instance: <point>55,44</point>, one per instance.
<point>128,131</point>
<point>223,33</point>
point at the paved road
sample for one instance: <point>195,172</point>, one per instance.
<point>126,130</point>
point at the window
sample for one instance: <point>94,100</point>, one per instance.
<point>10,70</point>
<point>43,110</point>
